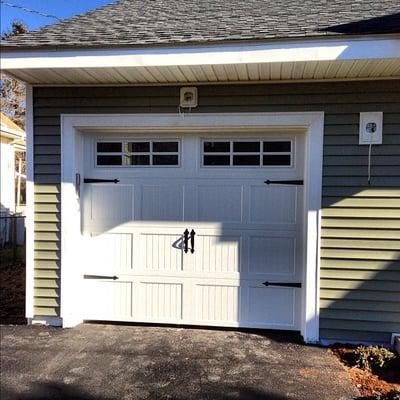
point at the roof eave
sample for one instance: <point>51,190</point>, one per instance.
<point>65,66</point>
<point>194,43</point>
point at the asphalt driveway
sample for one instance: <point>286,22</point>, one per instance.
<point>110,362</point>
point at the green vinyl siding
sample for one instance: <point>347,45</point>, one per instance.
<point>360,251</point>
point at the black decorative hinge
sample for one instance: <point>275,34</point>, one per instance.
<point>100,277</point>
<point>294,182</point>
<point>285,284</point>
<point>90,180</point>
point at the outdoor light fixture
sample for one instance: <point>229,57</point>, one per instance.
<point>188,98</point>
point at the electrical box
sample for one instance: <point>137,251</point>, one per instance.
<point>371,128</point>
<point>188,98</point>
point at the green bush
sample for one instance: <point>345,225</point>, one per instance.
<point>372,357</point>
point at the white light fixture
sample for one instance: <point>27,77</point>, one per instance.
<point>188,98</point>
<point>371,128</point>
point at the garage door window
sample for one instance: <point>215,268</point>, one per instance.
<point>259,153</point>
<point>138,153</point>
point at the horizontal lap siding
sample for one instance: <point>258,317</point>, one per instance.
<point>360,253</point>
<point>47,240</point>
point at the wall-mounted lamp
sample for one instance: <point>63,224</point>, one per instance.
<point>188,97</point>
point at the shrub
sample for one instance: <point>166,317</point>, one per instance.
<point>372,357</point>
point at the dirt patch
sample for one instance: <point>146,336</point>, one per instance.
<point>12,290</point>
<point>379,384</point>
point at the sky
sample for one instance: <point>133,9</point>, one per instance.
<point>59,8</point>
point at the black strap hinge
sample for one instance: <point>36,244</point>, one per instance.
<point>114,278</point>
<point>290,182</point>
<point>284,284</point>
<point>91,180</point>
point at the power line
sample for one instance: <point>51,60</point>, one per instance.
<point>30,10</point>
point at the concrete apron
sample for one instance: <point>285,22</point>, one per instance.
<point>94,361</point>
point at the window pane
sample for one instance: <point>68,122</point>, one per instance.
<point>139,147</point>
<point>138,160</point>
<point>246,146</point>
<point>281,159</point>
<point>246,160</point>
<point>109,160</point>
<point>276,146</point>
<point>216,160</point>
<point>165,160</point>
<point>165,147</point>
<point>109,147</point>
<point>217,147</point>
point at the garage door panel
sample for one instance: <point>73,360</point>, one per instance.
<point>162,203</point>
<point>271,306</point>
<point>220,203</point>
<point>217,253</point>
<point>108,300</point>
<point>272,255</point>
<point>273,204</point>
<point>162,252</point>
<point>246,233</point>
<point>108,252</point>
<point>217,304</point>
<point>107,205</point>
<point>160,301</point>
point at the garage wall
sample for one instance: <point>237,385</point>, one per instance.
<point>360,276</point>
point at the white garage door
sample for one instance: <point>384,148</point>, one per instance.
<point>190,233</point>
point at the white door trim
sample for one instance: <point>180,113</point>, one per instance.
<point>72,125</point>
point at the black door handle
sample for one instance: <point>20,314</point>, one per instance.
<point>185,240</point>
<point>192,233</point>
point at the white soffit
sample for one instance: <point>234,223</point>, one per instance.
<point>323,59</point>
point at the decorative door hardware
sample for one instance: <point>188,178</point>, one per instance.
<point>192,233</point>
<point>284,284</point>
<point>290,182</point>
<point>185,240</point>
<point>91,180</point>
<point>100,277</point>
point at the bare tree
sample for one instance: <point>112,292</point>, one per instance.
<point>12,91</point>
<point>13,103</point>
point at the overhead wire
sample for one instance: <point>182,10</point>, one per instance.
<point>30,10</point>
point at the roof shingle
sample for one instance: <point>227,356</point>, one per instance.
<point>129,23</point>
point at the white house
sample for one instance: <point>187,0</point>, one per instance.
<point>12,141</point>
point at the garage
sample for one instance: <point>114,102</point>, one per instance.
<point>202,219</point>
<point>183,228</point>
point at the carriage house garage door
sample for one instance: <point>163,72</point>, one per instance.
<point>190,232</point>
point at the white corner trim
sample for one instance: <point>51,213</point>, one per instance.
<point>29,219</point>
<point>249,53</point>
<point>70,226</point>
<point>313,182</point>
<point>72,126</point>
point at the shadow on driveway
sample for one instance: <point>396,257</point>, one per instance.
<point>53,390</point>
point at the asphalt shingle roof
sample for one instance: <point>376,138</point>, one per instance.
<point>128,23</point>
